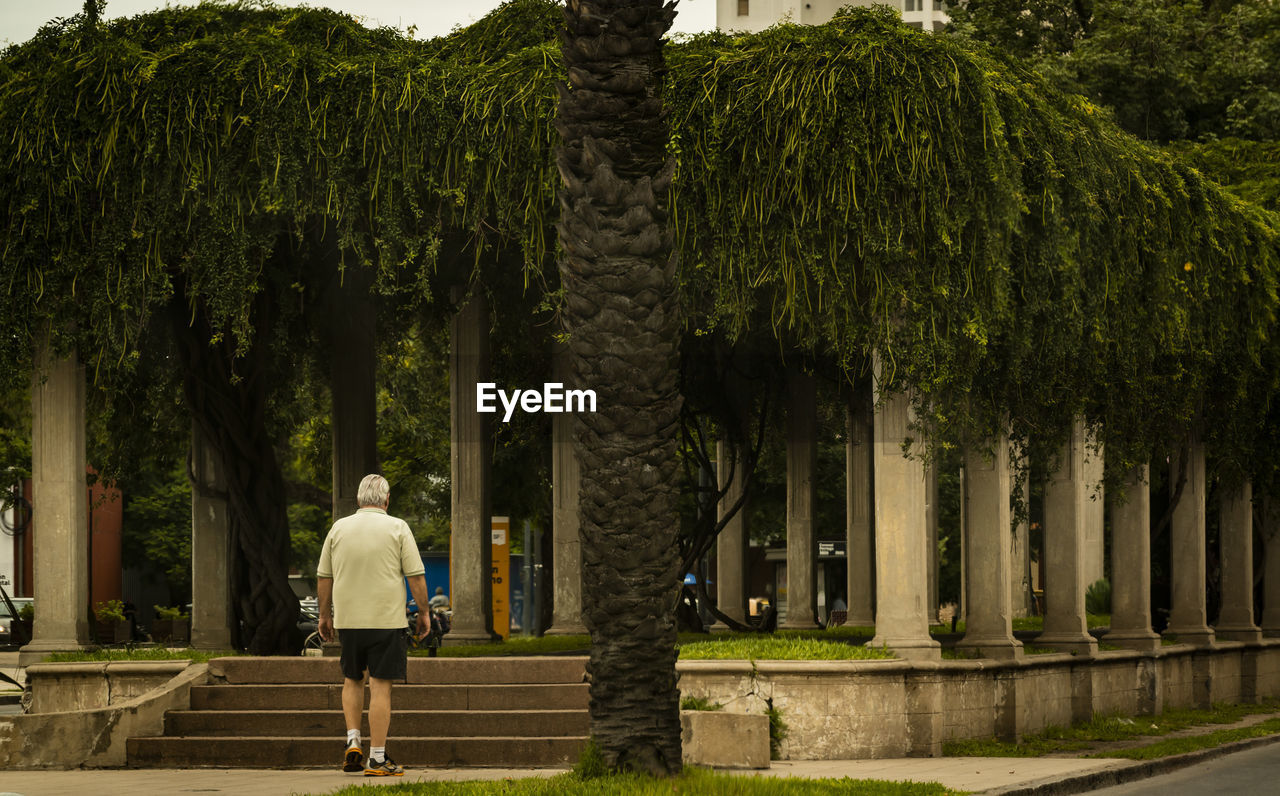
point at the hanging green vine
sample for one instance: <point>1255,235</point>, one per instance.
<point>843,188</point>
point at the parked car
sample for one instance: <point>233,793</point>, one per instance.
<point>6,621</point>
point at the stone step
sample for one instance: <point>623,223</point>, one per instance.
<point>272,752</point>
<point>413,723</point>
<point>553,696</point>
<point>422,671</point>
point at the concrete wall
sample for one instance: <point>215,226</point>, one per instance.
<point>867,709</point>
<point>92,737</point>
<point>57,687</point>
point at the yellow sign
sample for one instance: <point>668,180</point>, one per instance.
<point>499,571</point>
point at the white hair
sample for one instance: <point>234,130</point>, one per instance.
<point>374,491</point>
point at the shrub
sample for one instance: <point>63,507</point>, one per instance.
<point>27,612</point>
<point>171,613</point>
<point>1097,600</point>
<point>109,611</point>
<point>777,730</point>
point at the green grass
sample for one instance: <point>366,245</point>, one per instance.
<point>1177,746</point>
<point>138,654</point>
<point>786,645</point>
<point>699,703</point>
<point>516,645</point>
<point>703,783</point>
<point>1029,624</point>
<point>785,648</point>
<point>1115,728</point>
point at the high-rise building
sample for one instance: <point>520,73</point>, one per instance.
<point>756,15</point>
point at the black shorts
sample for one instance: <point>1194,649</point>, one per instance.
<point>382,652</point>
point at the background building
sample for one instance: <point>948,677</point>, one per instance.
<point>756,15</point>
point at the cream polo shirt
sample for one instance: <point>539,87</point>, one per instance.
<point>368,555</point>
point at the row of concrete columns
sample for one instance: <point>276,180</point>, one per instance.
<point>890,548</point>
<point>995,560</point>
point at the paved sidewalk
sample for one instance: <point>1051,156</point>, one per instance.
<point>966,774</point>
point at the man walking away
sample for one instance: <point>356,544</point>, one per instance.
<point>364,563</point>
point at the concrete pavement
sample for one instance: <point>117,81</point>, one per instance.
<point>1041,776</point>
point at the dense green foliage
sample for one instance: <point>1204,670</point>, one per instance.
<point>845,188</point>
<point>1249,169</point>
<point>1170,69</point>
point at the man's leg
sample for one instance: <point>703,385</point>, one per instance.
<point>353,703</point>
<point>379,711</point>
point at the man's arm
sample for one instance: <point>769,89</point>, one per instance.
<point>418,585</point>
<point>324,593</point>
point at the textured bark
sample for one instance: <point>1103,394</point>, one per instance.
<point>621,315</point>
<point>228,400</point>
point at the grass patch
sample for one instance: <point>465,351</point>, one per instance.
<point>516,645</point>
<point>845,632</point>
<point>699,703</point>
<point>704,783</point>
<point>1102,729</point>
<point>1177,746</point>
<point>1032,649</point>
<point>138,654</point>
<point>785,648</point>
<point>1027,624</point>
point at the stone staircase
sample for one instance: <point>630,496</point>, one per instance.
<point>287,713</point>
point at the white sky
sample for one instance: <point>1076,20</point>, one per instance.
<point>20,19</point>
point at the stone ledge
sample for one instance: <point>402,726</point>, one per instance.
<point>724,740</point>
<point>94,738</point>
<point>107,667</point>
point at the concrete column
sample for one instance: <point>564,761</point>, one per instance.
<point>566,478</point>
<point>211,612</point>
<point>1187,617</point>
<point>353,384</point>
<point>469,459</point>
<point>1065,505</point>
<point>931,522</point>
<point>988,619</point>
<point>1131,566</point>
<point>1235,535</point>
<point>859,491</point>
<point>1020,561</point>
<point>1271,572</point>
<point>902,537</point>
<point>802,465</point>
<point>732,543</point>
<point>59,496</point>
<point>1095,551</point>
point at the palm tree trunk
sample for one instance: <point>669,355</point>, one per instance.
<point>622,319</point>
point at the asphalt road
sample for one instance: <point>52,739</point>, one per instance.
<point>1255,771</point>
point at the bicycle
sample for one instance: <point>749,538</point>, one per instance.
<point>432,641</point>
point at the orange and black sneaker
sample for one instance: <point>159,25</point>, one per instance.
<point>354,760</point>
<point>385,768</point>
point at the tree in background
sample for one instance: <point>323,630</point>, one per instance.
<point>1176,70</point>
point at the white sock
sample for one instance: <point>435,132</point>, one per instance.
<point>353,738</point>
<point>377,754</point>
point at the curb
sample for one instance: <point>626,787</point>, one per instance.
<point>1121,775</point>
